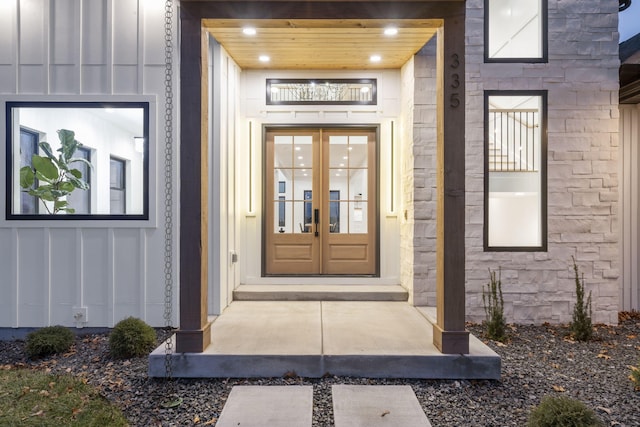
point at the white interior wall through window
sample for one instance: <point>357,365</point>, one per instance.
<point>515,29</point>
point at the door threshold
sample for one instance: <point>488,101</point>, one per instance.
<point>325,292</point>
<point>322,280</point>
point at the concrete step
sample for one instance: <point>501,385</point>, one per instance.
<point>320,293</point>
<point>371,339</point>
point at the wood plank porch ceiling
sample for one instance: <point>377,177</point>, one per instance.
<point>321,44</point>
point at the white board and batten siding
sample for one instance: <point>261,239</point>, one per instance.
<point>630,206</point>
<point>50,271</point>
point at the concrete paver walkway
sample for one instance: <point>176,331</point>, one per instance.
<point>377,406</point>
<point>273,406</point>
<point>292,406</point>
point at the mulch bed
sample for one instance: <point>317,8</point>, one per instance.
<point>536,361</point>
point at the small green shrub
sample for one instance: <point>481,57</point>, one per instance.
<point>581,327</point>
<point>635,377</point>
<point>49,340</point>
<point>495,324</point>
<point>131,337</point>
<point>562,412</point>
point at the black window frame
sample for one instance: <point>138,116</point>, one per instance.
<point>10,105</point>
<point>543,94</point>
<point>525,60</point>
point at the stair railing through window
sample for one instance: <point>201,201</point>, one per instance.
<point>513,140</point>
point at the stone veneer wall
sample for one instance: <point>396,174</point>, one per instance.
<point>582,82</point>
<point>419,179</point>
<point>407,177</point>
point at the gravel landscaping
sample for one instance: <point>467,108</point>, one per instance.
<point>536,361</point>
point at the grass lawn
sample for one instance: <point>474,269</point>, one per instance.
<point>35,398</point>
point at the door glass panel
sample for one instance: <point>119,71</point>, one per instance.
<point>302,223</point>
<point>292,182</point>
<point>348,184</point>
<point>339,217</point>
<point>303,151</point>
<point>358,217</point>
<point>338,151</point>
<point>358,184</point>
<point>334,211</point>
<point>283,185</point>
<point>282,211</point>
<point>339,181</point>
<point>302,182</point>
<point>283,151</point>
<point>358,152</point>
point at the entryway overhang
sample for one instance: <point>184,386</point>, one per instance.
<point>331,18</point>
<point>321,44</point>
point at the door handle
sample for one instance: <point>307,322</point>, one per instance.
<point>316,219</point>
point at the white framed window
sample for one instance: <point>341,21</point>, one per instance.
<point>102,131</point>
<point>515,31</point>
<point>515,214</point>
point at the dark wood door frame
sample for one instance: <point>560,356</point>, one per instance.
<point>449,333</point>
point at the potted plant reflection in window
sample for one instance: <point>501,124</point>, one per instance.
<point>56,178</point>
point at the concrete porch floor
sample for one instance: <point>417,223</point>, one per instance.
<point>376,339</point>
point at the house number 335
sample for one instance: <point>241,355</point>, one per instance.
<point>454,99</point>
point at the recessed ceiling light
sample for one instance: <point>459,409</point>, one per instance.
<point>297,148</point>
<point>264,58</point>
<point>375,58</point>
<point>299,157</point>
<point>250,31</point>
<point>390,31</point>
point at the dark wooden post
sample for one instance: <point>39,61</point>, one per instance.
<point>194,334</point>
<point>449,334</point>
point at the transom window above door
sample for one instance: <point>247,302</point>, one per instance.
<point>321,91</point>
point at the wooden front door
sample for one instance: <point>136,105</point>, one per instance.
<point>320,201</point>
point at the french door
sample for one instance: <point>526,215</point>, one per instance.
<point>320,201</point>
